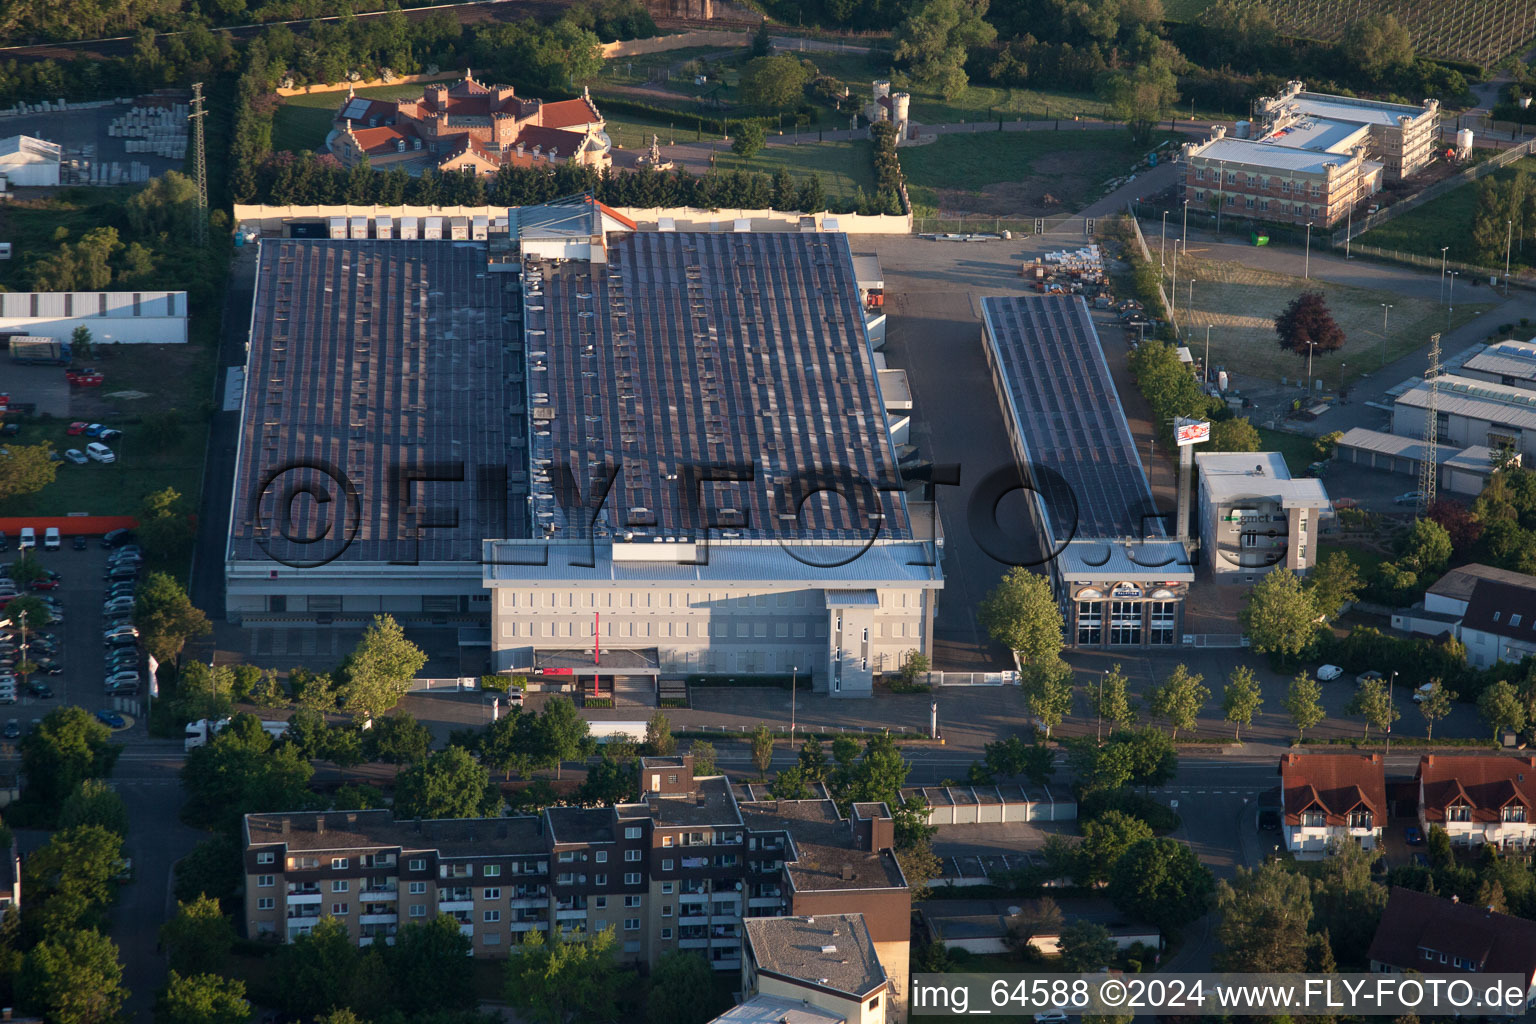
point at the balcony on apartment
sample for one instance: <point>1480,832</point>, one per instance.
<point>306,893</point>
<point>300,916</point>
<point>378,913</point>
<point>693,912</point>
<point>725,931</point>
<point>368,934</point>
<point>530,895</point>
<point>380,889</point>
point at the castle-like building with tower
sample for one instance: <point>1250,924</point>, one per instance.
<point>896,108</point>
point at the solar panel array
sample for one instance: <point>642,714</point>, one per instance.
<point>1070,418</point>
<point>374,365</point>
<point>688,356</point>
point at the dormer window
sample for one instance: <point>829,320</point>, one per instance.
<point>1458,812</point>
<point>1514,621</point>
<point>1359,819</point>
<point>1313,819</point>
<point>1515,812</point>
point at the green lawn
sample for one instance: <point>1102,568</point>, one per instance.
<point>1298,450</point>
<point>1447,221</point>
<point>844,167</point>
<point>1366,562</point>
<point>302,122</point>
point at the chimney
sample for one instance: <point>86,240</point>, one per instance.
<point>285,826</point>
<point>320,824</point>
<point>1429,758</point>
<point>847,872</point>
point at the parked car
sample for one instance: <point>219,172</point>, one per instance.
<point>1365,676</point>
<point>1422,693</point>
<point>5,542</point>
<point>98,452</point>
<point>76,428</point>
<point>121,588</point>
<point>79,543</point>
<point>121,641</point>
<point>1408,498</point>
<point>7,696</point>
<point>110,719</point>
<point>1412,836</point>
<point>128,549</point>
<point>1328,673</point>
<point>46,582</point>
<point>117,538</point>
<point>49,667</point>
<point>115,621</point>
<point>122,677</point>
<point>1051,1017</point>
<point>123,690</point>
<point>117,631</point>
<point>12,730</point>
<point>117,604</point>
<point>39,689</point>
<point>76,456</point>
<point>52,538</point>
<point>98,429</point>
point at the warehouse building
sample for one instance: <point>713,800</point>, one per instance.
<point>1470,413</point>
<point>29,162</point>
<point>1461,470</point>
<point>1511,363</point>
<point>1120,577</point>
<point>671,456</point>
<point>1254,517</point>
<point>128,318</point>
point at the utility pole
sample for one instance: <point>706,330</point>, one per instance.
<point>1429,470</point>
<point>1101,706</point>
<point>1509,235</point>
<point>1162,253</point>
<point>1391,685</point>
<point>1205,370</point>
<point>794,678</point>
<point>1306,271</point>
<point>1384,307</point>
<point>199,162</point>
<point>1311,347</point>
<point>1450,300</point>
<point>1443,249</point>
<point>1186,223</point>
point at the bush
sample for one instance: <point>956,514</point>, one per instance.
<point>1160,817</point>
<point>597,702</point>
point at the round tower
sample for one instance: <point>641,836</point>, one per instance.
<point>881,89</point>
<point>901,105</point>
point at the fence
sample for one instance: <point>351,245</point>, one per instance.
<point>1146,254</point>
<point>970,224</point>
<point>970,678</point>
<point>1469,271</point>
<point>1434,191</point>
<point>371,83</point>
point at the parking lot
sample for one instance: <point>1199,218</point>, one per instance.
<point>78,639</point>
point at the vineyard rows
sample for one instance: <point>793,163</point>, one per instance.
<point>1479,31</point>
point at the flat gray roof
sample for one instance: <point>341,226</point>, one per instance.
<point>1268,154</point>
<point>1228,476</point>
<point>373,364</point>
<point>1068,416</point>
<point>830,951</point>
<point>1515,359</point>
<point>740,357</point>
<point>1476,399</point>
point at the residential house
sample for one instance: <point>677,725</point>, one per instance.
<point>1332,798</point>
<point>1500,622</point>
<point>1478,800</point>
<point>827,961</point>
<point>1428,934</point>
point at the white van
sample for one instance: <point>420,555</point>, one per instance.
<point>51,538</point>
<point>28,539</point>
<point>98,452</point>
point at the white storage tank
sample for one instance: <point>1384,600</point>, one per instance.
<point>384,227</point>
<point>1464,143</point>
<point>359,227</point>
<point>1242,130</point>
<point>458,228</point>
<point>408,228</point>
<point>433,229</point>
<point>480,227</point>
<point>338,227</point>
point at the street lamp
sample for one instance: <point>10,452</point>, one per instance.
<point>1311,347</point>
<point>1205,370</point>
<point>1189,306</point>
<point>1392,682</point>
<point>794,678</point>
<point>1443,250</point>
<point>1101,705</point>
<point>1384,307</point>
<point>1186,223</point>
<point>1162,253</point>
<point>1450,299</point>
<point>1509,234</point>
<point>1306,271</point>
<point>1173,300</point>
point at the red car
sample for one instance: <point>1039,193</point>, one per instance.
<point>87,378</point>
<point>76,428</point>
<point>45,583</point>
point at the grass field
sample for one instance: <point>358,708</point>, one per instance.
<point>1480,31</point>
<point>302,122</point>
<point>844,167</point>
<point>1016,172</point>
<point>1241,303</point>
<point>1299,451</point>
<point>1448,221</point>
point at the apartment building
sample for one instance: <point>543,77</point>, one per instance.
<point>1400,136</point>
<point>1256,180</point>
<point>1482,800</point>
<point>680,869</point>
<point>1332,798</point>
<point>1428,934</point>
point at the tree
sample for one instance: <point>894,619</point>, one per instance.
<point>935,39</point>
<point>1427,548</point>
<point>1335,582</point>
<point>1098,768</point>
<point>269,693</point>
<point>1500,707</point>
<point>68,747</point>
<point>762,42</point>
<point>1150,755</point>
<point>240,773</point>
<point>659,741</point>
<point>25,469</point>
<point>1021,613</point>
<point>1307,319</point>
<point>73,977</point>
<point>762,749</point>
<point>1179,698</point>
<point>751,135</point>
<point>791,785</point>
<point>1304,703</point>
<point>1161,881</point>
<point>1034,917</point>
<point>448,784</point>
<point>313,692</point>
<point>913,667</point>
<point>773,81</point>
<point>614,779</point>
<point>1048,691</point>
<point>27,568</point>
<point>813,762</point>
<point>1086,946</point>
<point>1264,916</point>
<point>1280,617</point>
<point>1434,704</point>
<point>431,968</point>
<point>703,754</point>
<point>95,803</point>
<point>682,989</point>
<point>202,999</point>
<point>398,739</point>
<point>211,869</point>
<point>165,524</point>
<point>1105,840</point>
<point>562,734</point>
<point>921,866</point>
<point>1373,702</point>
<point>29,609</point>
<point>1241,699</point>
<point>166,617</point>
<point>199,938</point>
<point>317,968</point>
<point>69,879</point>
<point>80,342</point>
<point>563,981</point>
<point>1376,44</point>
<point>1139,96</point>
<point>380,669</point>
<point>1234,435</point>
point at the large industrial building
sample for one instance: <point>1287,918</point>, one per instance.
<point>1308,158</point>
<point>1253,517</point>
<point>628,453</point>
<point>128,318</point>
<point>1119,575</point>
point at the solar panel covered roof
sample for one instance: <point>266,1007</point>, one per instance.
<point>1068,416</point>
<point>713,380</point>
<point>382,405</point>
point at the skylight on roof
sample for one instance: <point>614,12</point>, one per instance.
<point>355,109</point>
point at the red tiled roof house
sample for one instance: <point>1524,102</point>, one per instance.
<point>1332,797</point>
<point>1479,799</point>
<point>1432,935</point>
<point>469,125</point>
